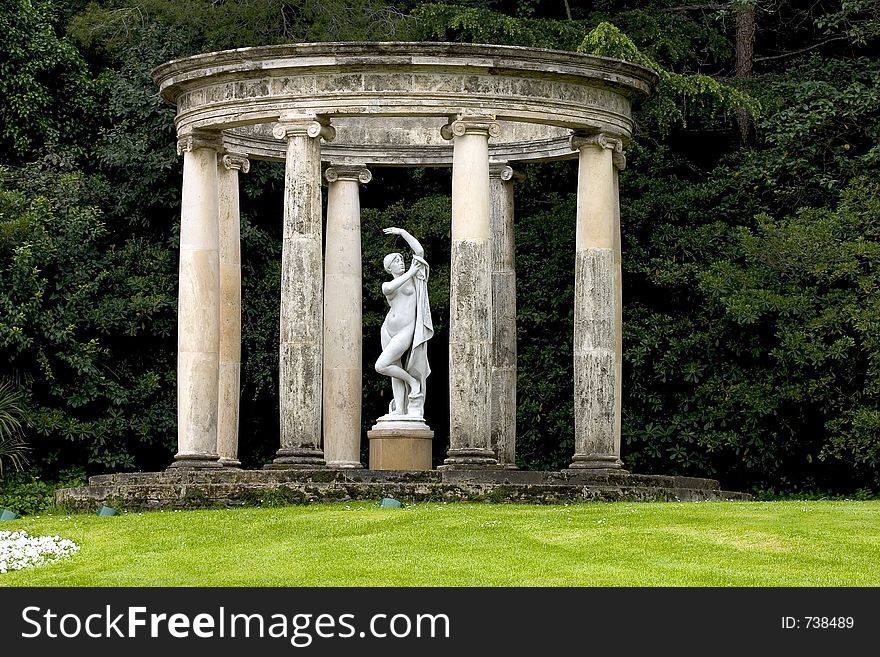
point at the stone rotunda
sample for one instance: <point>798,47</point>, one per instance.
<point>331,112</point>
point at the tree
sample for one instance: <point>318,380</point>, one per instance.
<point>44,85</point>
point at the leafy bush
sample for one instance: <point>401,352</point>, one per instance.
<point>74,310</point>
<point>26,494</point>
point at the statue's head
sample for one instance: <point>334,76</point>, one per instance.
<point>389,263</point>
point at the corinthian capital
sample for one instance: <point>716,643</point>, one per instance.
<point>304,125</point>
<point>471,125</point>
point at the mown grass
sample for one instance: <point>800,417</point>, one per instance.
<point>360,544</point>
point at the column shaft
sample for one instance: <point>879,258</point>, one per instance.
<point>618,319</point>
<point>230,308</point>
<point>470,302</point>
<point>300,355</point>
<point>343,301</point>
<point>595,309</point>
<point>503,389</point>
<point>198,312</point>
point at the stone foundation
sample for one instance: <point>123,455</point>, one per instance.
<point>192,489</point>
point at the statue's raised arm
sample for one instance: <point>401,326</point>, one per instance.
<point>414,244</point>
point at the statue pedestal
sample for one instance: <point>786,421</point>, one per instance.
<point>398,442</point>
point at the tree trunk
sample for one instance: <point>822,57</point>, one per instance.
<point>745,57</point>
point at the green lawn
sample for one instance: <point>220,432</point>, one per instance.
<point>359,544</point>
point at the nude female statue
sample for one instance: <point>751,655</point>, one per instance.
<point>406,329</point>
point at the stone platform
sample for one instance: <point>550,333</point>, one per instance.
<point>190,489</point>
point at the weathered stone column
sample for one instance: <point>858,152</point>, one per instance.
<point>343,301</point>
<point>230,307</point>
<point>198,310</point>
<point>619,160</point>
<point>596,432</point>
<point>470,296</point>
<point>300,358</point>
<point>503,388</point>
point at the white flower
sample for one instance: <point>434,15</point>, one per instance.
<point>18,550</point>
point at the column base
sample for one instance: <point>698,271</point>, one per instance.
<point>345,465</point>
<point>597,462</point>
<point>233,464</point>
<point>297,458</point>
<point>471,458</point>
<point>195,461</point>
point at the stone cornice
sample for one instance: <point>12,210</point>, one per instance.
<point>175,76</point>
<point>356,172</point>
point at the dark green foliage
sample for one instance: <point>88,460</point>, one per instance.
<point>440,22</point>
<point>716,315</point>
<point>44,85</point>
<point>821,128</point>
<point>261,198</point>
<point>107,27</point>
<point>27,495</point>
<point>74,311</point>
<point>687,41</point>
<point>808,283</point>
<point>678,97</point>
<point>545,321</point>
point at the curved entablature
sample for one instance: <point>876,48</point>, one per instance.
<point>406,141</point>
<point>387,101</point>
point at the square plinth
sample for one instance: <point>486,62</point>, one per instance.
<point>400,448</point>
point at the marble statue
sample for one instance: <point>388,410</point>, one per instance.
<point>406,329</point>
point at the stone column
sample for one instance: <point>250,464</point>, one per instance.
<point>596,428</point>
<point>230,308</point>
<point>343,301</point>
<point>300,358</point>
<point>619,161</point>
<point>470,296</point>
<point>503,388</point>
<point>198,310</point>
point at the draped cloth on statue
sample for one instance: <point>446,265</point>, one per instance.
<point>417,361</point>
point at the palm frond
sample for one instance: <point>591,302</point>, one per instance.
<point>12,443</point>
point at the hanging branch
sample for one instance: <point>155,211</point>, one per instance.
<point>802,50</point>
